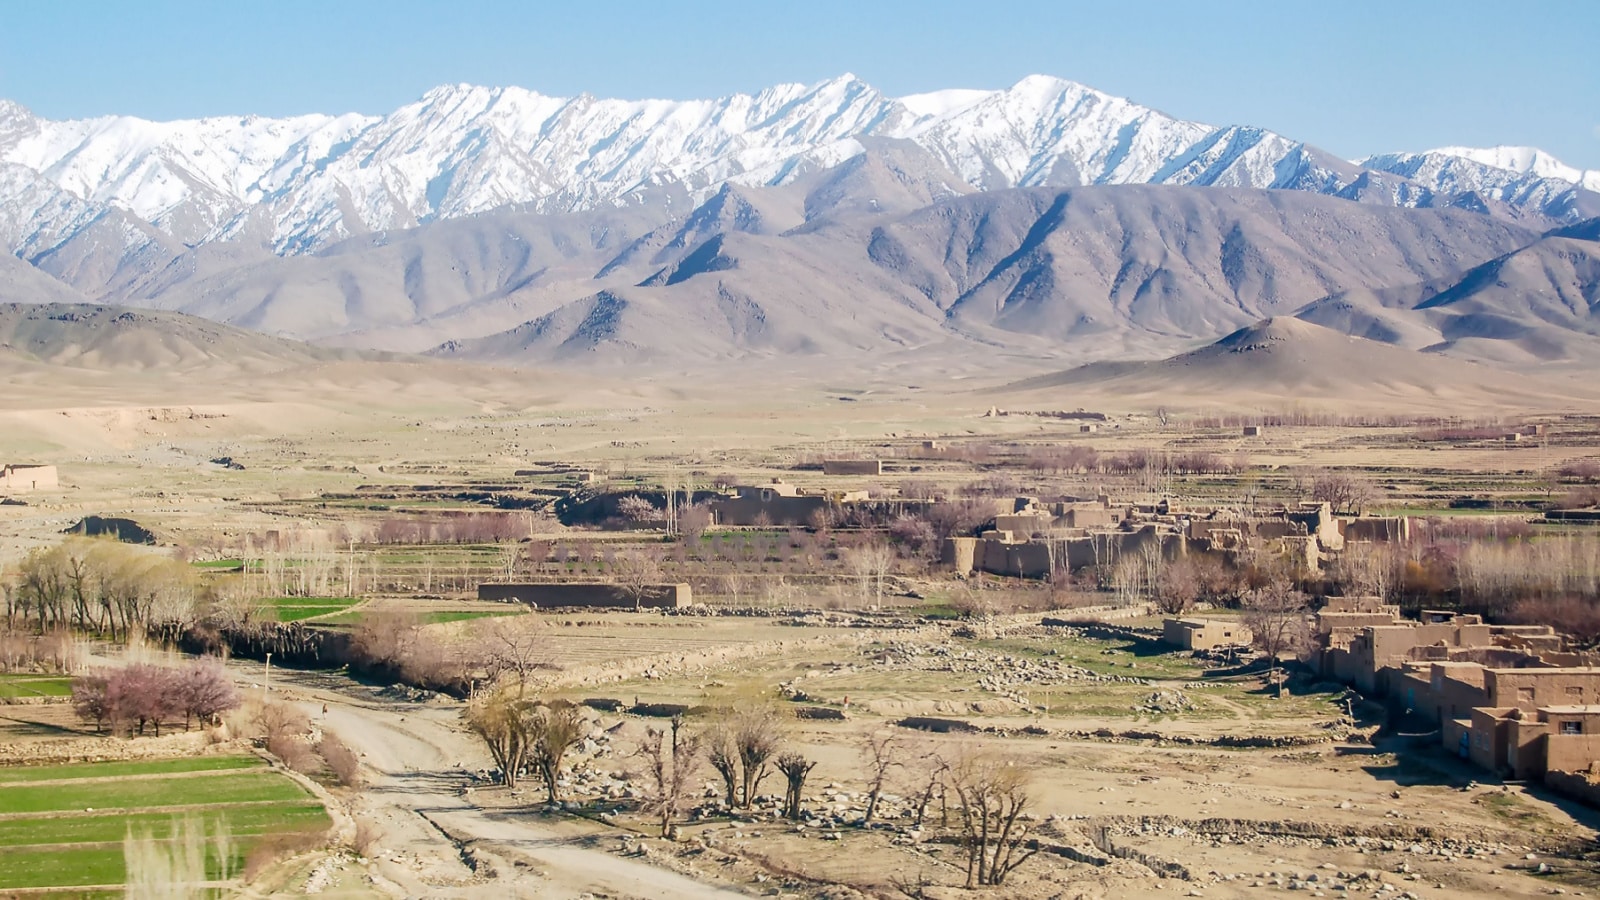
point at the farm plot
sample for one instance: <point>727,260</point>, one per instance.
<point>621,636</point>
<point>18,686</point>
<point>295,609</point>
<point>64,826</point>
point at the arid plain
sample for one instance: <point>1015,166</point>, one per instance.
<point>1149,770</point>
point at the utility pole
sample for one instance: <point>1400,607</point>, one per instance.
<point>266,681</point>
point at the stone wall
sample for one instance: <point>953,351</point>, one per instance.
<point>774,510</point>
<point>593,595</point>
<point>852,467</point>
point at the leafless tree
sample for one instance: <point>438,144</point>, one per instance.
<point>723,755</point>
<point>342,761</point>
<point>1372,569</point>
<point>741,747</point>
<point>637,573</point>
<point>1177,587</point>
<point>992,793</point>
<point>671,759</point>
<point>90,700</point>
<point>553,729</point>
<point>1345,492</point>
<point>1276,617</point>
<point>692,524</point>
<point>880,751</point>
<point>953,518</point>
<point>925,778</point>
<point>871,562</point>
<point>284,729</point>
<point>733,584</point>
<point>498,719</point>
<point>795,769</point>
<point>513,645</point>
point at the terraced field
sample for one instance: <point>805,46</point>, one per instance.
<point>295,609</point>
<point>18,686</point>
<point>64,826</point>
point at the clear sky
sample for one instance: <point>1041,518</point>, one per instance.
<point>1352,77</point>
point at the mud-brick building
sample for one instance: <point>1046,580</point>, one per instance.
<point>19,478</point>
<point>778,503</point>
<point>1204,634</point>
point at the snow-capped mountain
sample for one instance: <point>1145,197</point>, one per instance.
<point>1526,160</point>
<point>302,183</point>
<point>1521,177</point>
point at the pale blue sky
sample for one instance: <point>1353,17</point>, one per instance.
<point>1352,77</point>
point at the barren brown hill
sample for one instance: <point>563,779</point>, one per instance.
<point>1286,362</point>
<point>1537,303</point>
<point>112,338</point>
<point>1096,272</point>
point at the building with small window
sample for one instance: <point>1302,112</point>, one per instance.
<point>1205,634</point>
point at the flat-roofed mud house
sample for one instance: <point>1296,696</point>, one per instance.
<point>777,503</point>
<point>1511,698</point>
<point>23,477</point>
<point>1194,633</point>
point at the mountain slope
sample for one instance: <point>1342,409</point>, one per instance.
<point>1539,302</point>
<point>109,338</point>
<point>395,280</point>
<point>1092,270</point>
<point>1290,362</point>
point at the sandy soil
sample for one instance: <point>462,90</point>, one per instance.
<point>434,841</point>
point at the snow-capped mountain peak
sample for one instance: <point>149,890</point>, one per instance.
<point>1526,161</point>
<point>300,183</point>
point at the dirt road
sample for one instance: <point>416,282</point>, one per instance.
<point>418,759</point>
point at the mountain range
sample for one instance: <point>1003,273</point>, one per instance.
<point>1047,218</point>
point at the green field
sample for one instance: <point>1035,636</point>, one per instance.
<point>11,775</point>
<point>243,787</point>
<point>63,826</point>
<point>464,615</point>
<point>354,617</point>
<point>295,609</point>
<point>14,686</point>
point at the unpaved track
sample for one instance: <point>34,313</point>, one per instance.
<point>417,759</point>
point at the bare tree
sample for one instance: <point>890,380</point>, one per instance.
<point>671,759</point>
<point>692,524</point>
<point>757,734</point>
<point>871,562</point>
<point>1345,492</point>
<point>723,755</point>
<point>342,761</point>
<point>733,584</point>
<point>284,729</point>
<point>1372,569</point>
<point>499,721</point>
<point>740,748</point>
<point>637,573</point>
<point>515,646</point>
<point>992,793</point>
<point>795,768</point>
<point>553,729</point>
<point>1178,587</point>
<point>1276,617</point>
<point>880,751</point>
